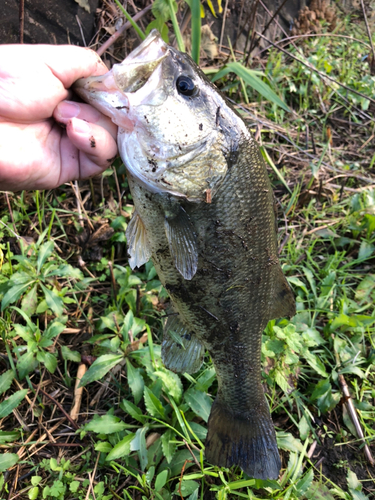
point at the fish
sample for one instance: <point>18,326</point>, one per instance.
<point>205,215</point>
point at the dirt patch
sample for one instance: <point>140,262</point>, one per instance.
<point>48,21</point>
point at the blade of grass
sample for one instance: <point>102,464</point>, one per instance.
<point>177,32</point>
<point>134,24</point>
<point>195,30</point>
<point>241,80</point>
<point>274,168</point>
<point>250,78</point>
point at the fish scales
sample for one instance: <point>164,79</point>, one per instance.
<point>208,223</point>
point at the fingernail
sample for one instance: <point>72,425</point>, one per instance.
<point>68,109</point>
<point>80,126</point>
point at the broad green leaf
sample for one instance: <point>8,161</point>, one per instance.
<point>6,380</point>
<point>67,271</point>
<point>275,346</point>
<point>304,483</point>
<point>186,487</point>
<point>106,424</point>
<point>100,367</point>
<point>206,379</point>
<point>160,10</point>
<point>55,303</point>
<point>355,487</point>
<point>140,436</point>
<point>315,362</point>
<point>7,406</point>
<point>318,491</point>
<point>286,441</point>
<point>12,295</point>
<point>33,493</point>
<point>48,359</point>
<point>358,495</point>
<point>353,369</point>
<point>103,446</point>
<point>30,301</point>
<point>199,431</point>
<point>155,453</point>
<point>122,449</point>
<point>179,461</point>
<point>20,278</point>
<point>70,355</point>
<point>26,364</point>
<point>282,382</point>
<point>365,250</point>
<point>297,282</point>
<point>160,480</point>
<point>199,402</point>
<point>24,332</point>
<point>128,322</point>
<point>132,410</point>
<point>153,405</point>
<point>328,401</point>
<point>171,383</point>
<point>310,278</point>
<point>169,448</point>
<point>54,329</point>
<point>44,252</point>
<point>8,436</point>
<point>304,428</point>
<point>135,381</point>
<point>364,289</point>
<point>312,337</point>
<point>353,483</point>
<point>194,495</point>
<point>7,460</point>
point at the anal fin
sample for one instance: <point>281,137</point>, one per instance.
<point>138,246</point>
<point>283,304</point>
<point>181,351</point>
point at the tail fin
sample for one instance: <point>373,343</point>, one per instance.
<point>244,439</point>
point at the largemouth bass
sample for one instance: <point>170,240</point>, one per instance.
<point>204,213</point>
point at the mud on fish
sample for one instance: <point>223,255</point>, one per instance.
<point>204,213</point>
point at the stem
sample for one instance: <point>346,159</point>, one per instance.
<point>128,17</point>
<point>179,39</point>
<point>195,30</point>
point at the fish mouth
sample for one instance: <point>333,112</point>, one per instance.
<point>108,92</point>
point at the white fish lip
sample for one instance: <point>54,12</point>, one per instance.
<point>108,92</point>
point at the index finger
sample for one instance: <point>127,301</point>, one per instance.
<point>68,62</point>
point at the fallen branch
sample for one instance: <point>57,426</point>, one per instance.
<point>354,417</point>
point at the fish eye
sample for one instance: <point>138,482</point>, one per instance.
<point>186,86</point>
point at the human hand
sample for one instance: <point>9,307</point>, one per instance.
<point>35,151</point>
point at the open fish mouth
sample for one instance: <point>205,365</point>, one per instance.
<point>110,92</point>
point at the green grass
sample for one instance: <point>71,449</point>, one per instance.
<point>141,429</point>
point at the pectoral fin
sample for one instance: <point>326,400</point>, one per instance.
<point>138,246</point>
<point>283,304</point>
<point>182,243</point>
<point>181,351</point>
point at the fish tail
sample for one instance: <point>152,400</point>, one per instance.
<point>246,439</point>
